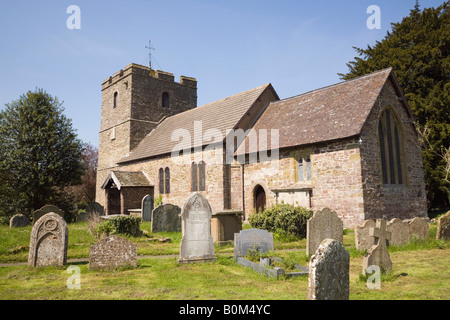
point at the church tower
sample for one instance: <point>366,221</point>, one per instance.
<point>134,101</point>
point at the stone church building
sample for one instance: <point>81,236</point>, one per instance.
<point>351,147</point>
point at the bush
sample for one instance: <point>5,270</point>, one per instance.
<point>283,218</point>
<point>127,225</point>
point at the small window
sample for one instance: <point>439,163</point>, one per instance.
<point>308,168</point>
<point>300,169</point>
<point>161,180</point>
<point>165,100</point>
<point>201,176</point>
<point>194,177</point>
<point>167,180</point>
<point>115,102</point>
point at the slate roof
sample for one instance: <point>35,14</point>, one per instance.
<point>330,113</point>
<point>127,179</point>
<point>222,115</point>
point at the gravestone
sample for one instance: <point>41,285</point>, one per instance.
<point>166,217</point>
<point>443,228</point>
<point>329,269</point>
<point>323,225</point>
<point>378,254</point>
<point>111,253</point>
<point>46,209</point>
<point>252,239</point>
<point>48,241</point>
<point>399,232</point>
<point>419,229</point>
<point>95,208</point>
<point>147,208</point>
<point>18,220</point>
<point>196,242</point>
<point>363,241</point>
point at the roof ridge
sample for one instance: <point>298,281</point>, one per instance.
<point>335,85</point>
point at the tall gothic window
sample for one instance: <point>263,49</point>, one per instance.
<point>390,148</point>
<point>194,177</point>
<point>161,180</point>
<point>165,100</point>
<point>300,169</point>
<point>167,180</point>
<point>201,176</point>
<point>115,102</point>
<point>308,168</point>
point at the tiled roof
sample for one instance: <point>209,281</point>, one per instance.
<point>127,179</point>
<point>221,115</point>
<point>334,112</point>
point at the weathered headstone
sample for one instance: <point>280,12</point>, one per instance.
<point>252,239</point>
<point>48,241</point>
<point>323,225</point>
<point>419,229</point>
<point>46,209</point>
<point>329,269</point>
<point>378,254</point>
<point>166,217</point>
<point>147,208</point>
<point>196,242</point>
<point>363,241</point>
<point>95,208</point>
<point>111,253</point>
<point>18,220</point>
<point>443,228</point>
<point>399,232</point>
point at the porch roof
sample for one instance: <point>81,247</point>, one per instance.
<point>127,179</point>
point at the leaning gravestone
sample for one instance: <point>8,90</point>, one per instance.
<point>196,242</point>
<point>166,217</point>
<point>323,225</point>
<point>443,228</point>
<point>18,220</point>
<point>363,241</point>
<point>147,208</point>
<point>48,241</point>
<point>419,229</point>
<point>378,255</point>
<point>329,271</point>
<point>46,209</point>
<point>399,232</point>
<point>252,239</point>
<point>111,253</point>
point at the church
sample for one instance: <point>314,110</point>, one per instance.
<point>351,147</point>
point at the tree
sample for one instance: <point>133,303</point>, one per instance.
<point>418,50</point>
<point>40,154</point>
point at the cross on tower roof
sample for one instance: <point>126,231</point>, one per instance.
<point>380,233</point>
<point>150,48</point>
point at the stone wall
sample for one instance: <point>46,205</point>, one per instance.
<point>403,201</point>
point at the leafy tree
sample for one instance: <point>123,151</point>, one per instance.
<point>418,50</point>
<point>40,154</point>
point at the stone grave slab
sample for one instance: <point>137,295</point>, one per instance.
<point>46,209</point>
<point>324,224</point>
<point>111,253</point>
<point>378,254</point>
<point>147,208</point>
<point>252,239</point>
<point>18,220</point>
<point>399,232</point>
<point>166,217</point>
<point>443,228</point>
<point>363,241</point>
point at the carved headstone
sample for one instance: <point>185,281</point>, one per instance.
<point>323,225</point>
<point>378,254</point>
<point>18,220</point>
<point>419,229</point>
<point>363,241</point>
<point>329,271</point>
<point>252,239</point>
<point>399,232</point>
<point>196,242</point>
<point>111,253</point>
<point>147,208</point>
<point>443,228</point>
<point>48,241</point>
<point>46,209</point>
<point>166,217</point>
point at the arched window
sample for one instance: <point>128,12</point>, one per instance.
<point>201,176</point>
<point>308,168</point>
<point>165,100</point>
<point>167,180</point>
<point>300,169</point>
<point>161,180</point>
<point>390,148</point>
<point>115,102</point>
<point>194,177</point>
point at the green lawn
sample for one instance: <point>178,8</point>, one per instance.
<point>420,271</point>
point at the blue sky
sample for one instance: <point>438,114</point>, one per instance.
<point>229,46</point>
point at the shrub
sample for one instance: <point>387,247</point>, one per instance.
<point>127,225</point>
<point>283,218</point>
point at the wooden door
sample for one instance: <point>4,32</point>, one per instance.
<point>260,199</point>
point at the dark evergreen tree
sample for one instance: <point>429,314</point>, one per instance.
<point>40,154</point>
<point>418,50</point>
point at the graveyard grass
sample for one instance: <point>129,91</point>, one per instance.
<point>421,270</point>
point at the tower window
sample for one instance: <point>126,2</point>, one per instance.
<point>165,100</point>
<point>115,99</point>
